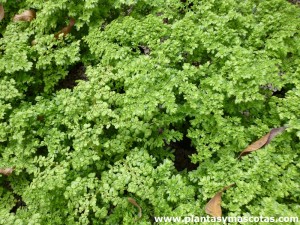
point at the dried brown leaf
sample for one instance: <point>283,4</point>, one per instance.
<point>2,13</point>
<point>27,15</point>
<point>274,132</point>
<point>213,207</point>
<point>66,29</point>
<point>227,187</point>
<point>262,141</point>
<point>133,202</point>
<point>6,171</point>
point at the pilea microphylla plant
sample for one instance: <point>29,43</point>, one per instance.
<point>100,101</point>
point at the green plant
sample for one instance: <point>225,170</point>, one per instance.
<point>218,73</point>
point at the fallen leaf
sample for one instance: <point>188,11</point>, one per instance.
<point>133,202</point>
<point>213,207</point>
<point>227,187</point>
<point>262,141</point>
<point>27,15</point>
<point>1,12</point>
<point>66,29</point>
<point>6,171</point>
<point>274,132</point>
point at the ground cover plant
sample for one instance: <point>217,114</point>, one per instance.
<point>117,111</point>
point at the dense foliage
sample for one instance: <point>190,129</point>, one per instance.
<point>219,74</point>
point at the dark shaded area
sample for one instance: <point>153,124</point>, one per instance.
<point>111,209</point>
<point>77,72</point>
<point>110,132</point>
<point>188,4</point>
<point>5,183</point>
<point>42,151</point>
<point>288,200</point>
<point>117,86</point>
<point>40,118</point>
<point>144,49</point>
<point>166,20</point>
<point>183,151</point>
<point>19,203</point>
<point>294,2</point>
<point>180,100</point>
<point>33,89</point>
<point>270,90</point>
<point>282,92</point>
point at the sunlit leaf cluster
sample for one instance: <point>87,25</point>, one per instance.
<point>102,150</point>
